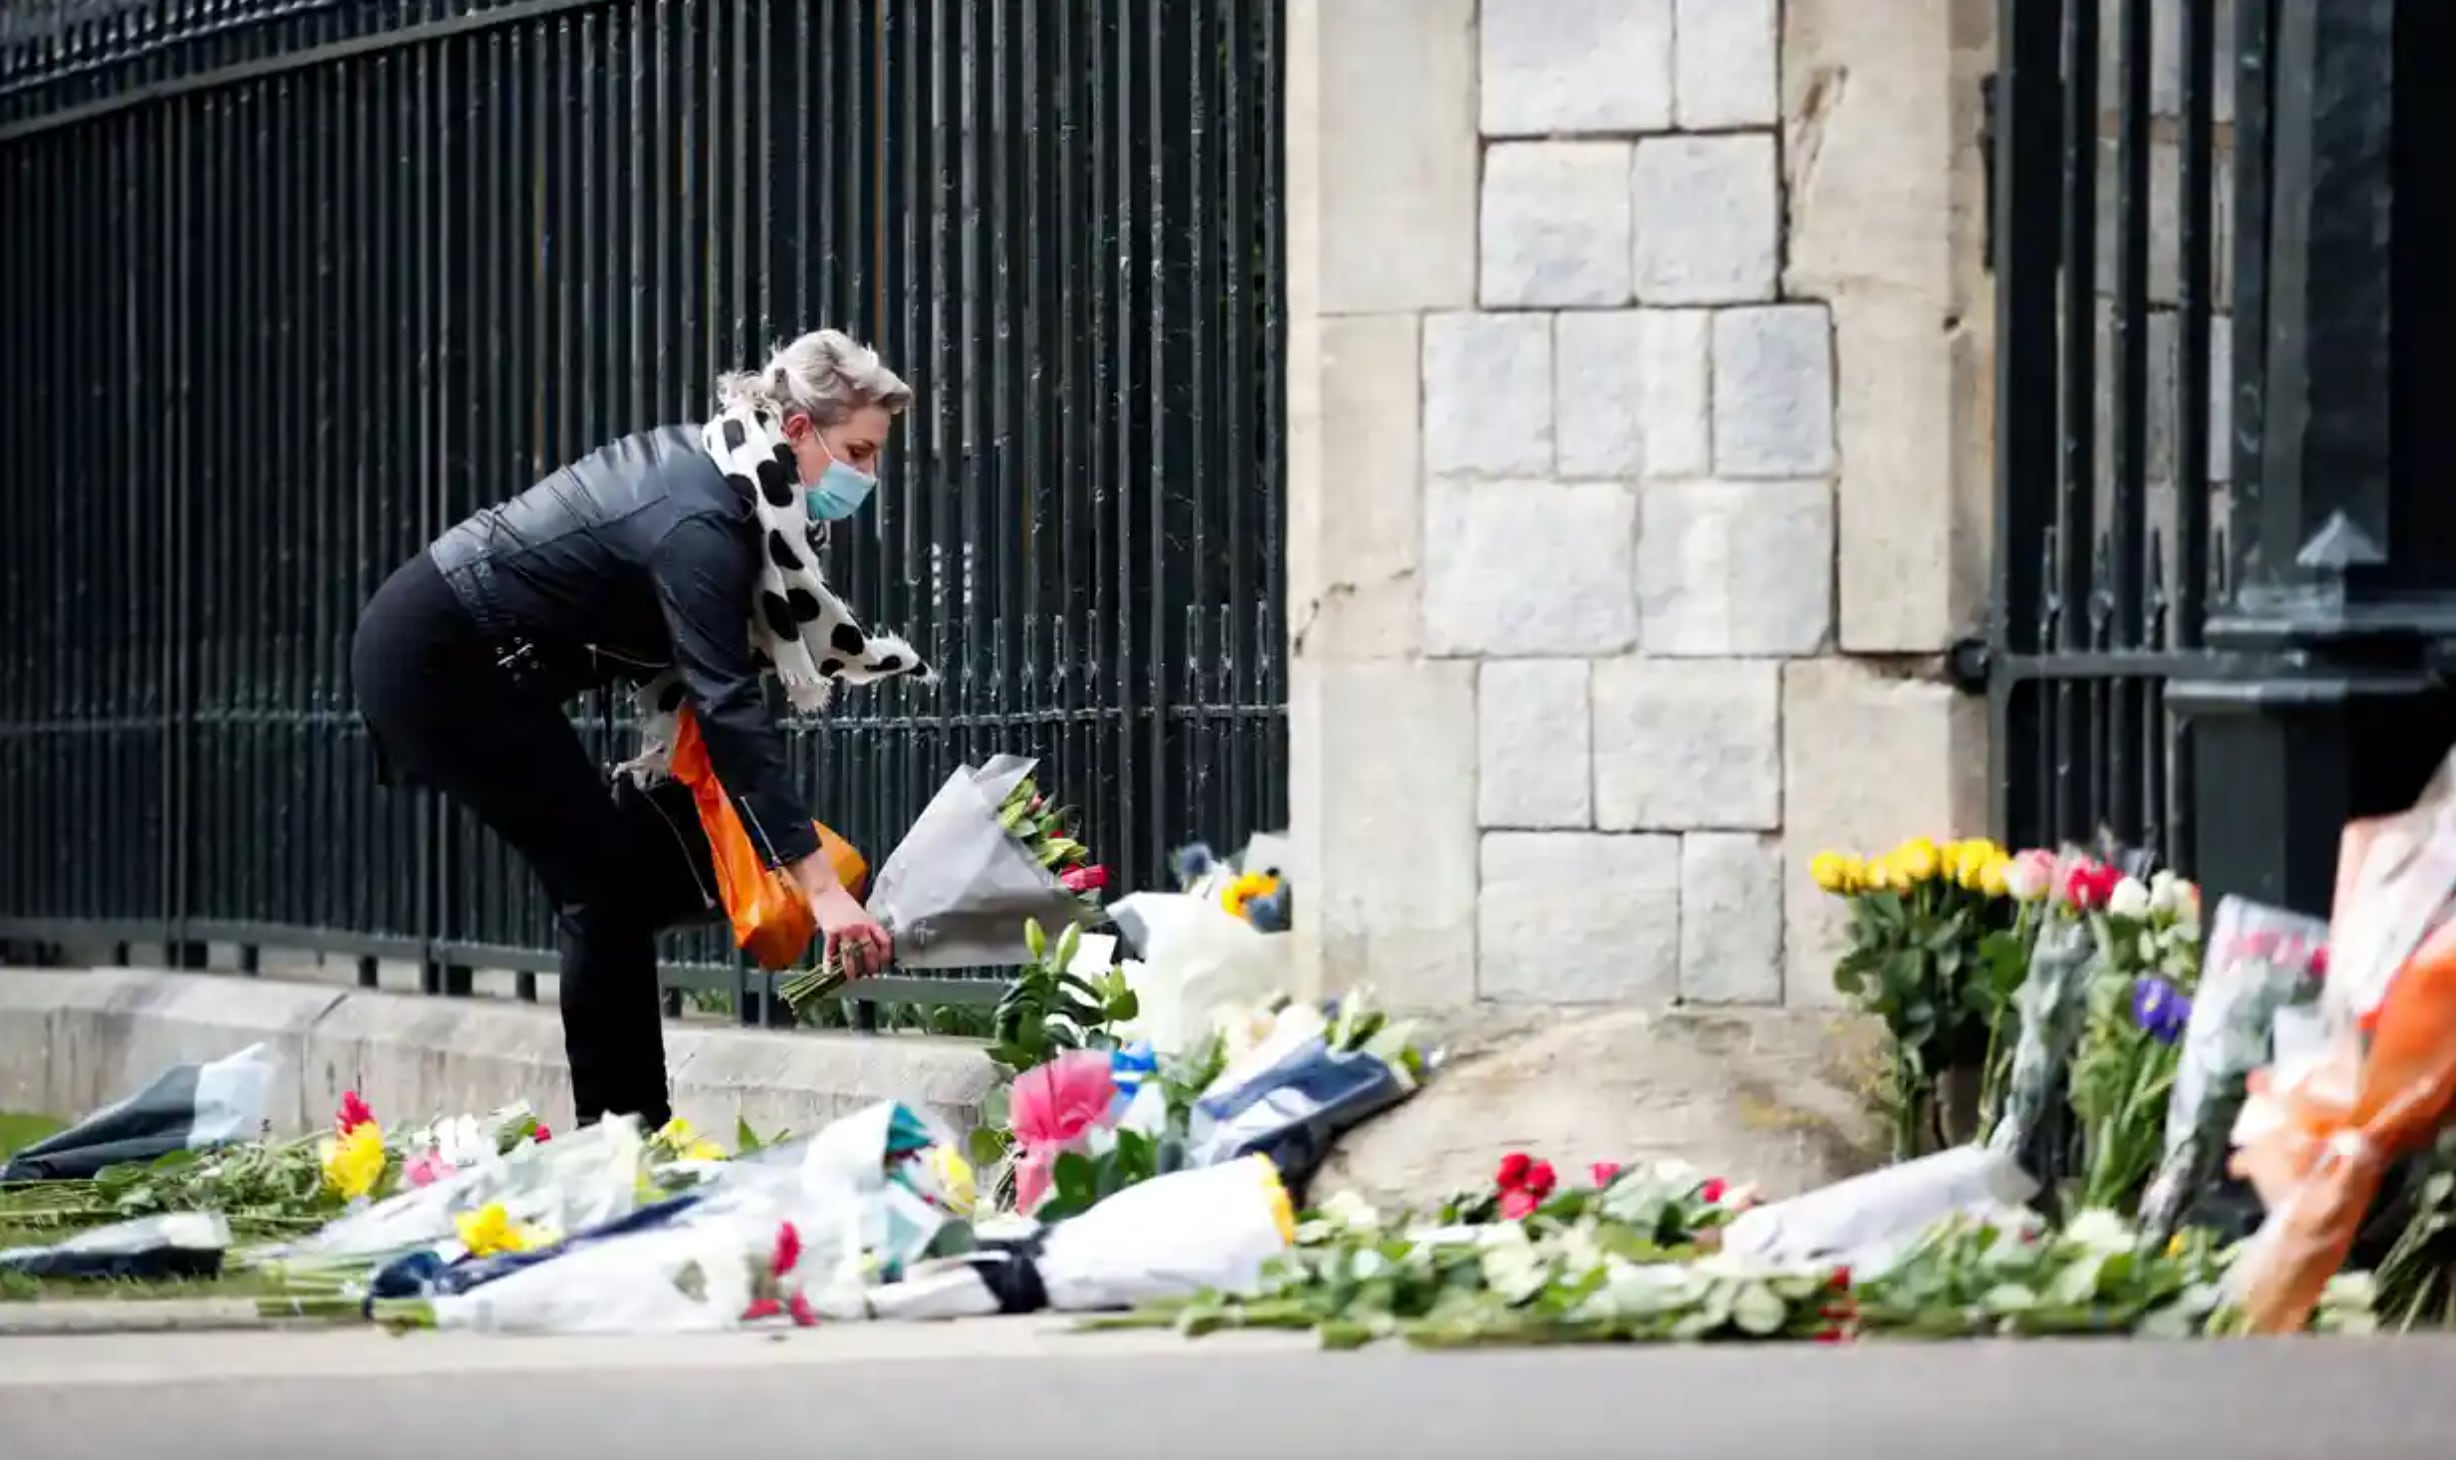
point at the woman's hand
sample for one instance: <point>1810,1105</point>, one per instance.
<point>855,942</point>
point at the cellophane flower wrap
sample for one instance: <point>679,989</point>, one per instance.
<point>2260,959</point>
<point>2316,1143</point>
<point>2053,1003</point>
<point>2139,1002</point>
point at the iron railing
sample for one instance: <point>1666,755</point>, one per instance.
<point>289,287</point>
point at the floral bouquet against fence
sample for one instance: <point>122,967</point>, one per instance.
<point>987,856</point>
<point>2260,960</point>
<point>2053,1001</point>
<point>2139,1000</point>
<point>1933,952</point>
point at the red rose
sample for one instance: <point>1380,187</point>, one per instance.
<point>543,1135</point>
<point>2319,961</point>
<point>1603,1173</point>
<point>1832,1335</point>
<point>1084,879</point>
<point>1518,1203</point>
<point>1712,1191</point>
<point>788,1248</point>
<point>1514,1167</point>
<point>800,1309</point>
<point>761,1308</point>
<point>1540,1179</point>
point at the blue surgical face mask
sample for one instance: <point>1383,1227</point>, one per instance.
<point>839,491</point>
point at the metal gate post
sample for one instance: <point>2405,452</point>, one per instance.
<point>2329,699</point>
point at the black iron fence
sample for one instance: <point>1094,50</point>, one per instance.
<point>286,288</point>
<point>2225,558</point>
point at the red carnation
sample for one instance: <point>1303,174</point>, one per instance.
<point>1084,879</point>
<point>1603,1173</point>
<point>788,1248</point>
<point>1513,1170</point>
<point>354,1113</point>
<point>1711,1192</point>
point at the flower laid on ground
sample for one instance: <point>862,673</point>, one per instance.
<point>1053,1110</point>
<point>426,1168</point>
<point>2137,1000</point>
<point>677,1139</point>
<point>490,1231</point>
<point>354,1163</point>
<point>1522,1183</point>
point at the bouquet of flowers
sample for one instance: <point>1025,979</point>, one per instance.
<point>2053,1000</point>
<point>1932,953</point>
<point>2316,1141</point>
<point>2139,1000</point>
<point>986,857</point>
<point>2260,959</point>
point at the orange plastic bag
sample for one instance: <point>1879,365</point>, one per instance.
<point>771,919</point>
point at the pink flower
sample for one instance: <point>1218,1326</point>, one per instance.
<point>1712,1191</point>
<point>799,1307</point>
<point>426,1168</point>
<point>541,1135</point>
<point>353,1114</point>
<point>1603,1173</point>
<point>1084,879</point>
<point>1055,1107</point>
<point>1519,1203</point>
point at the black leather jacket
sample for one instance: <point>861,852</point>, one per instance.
<point>638,557</point>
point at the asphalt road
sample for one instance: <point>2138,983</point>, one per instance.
<point>1018,1389</point>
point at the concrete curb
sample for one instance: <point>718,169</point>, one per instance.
<point>68,1317</point>
<point>73,1040</point>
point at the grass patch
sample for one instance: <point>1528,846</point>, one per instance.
<point>16,1133</point>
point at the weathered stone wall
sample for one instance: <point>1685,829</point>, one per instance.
<point>1640,401</point>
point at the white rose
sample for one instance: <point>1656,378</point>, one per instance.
<point>2130,900</point>
<point>2164,896</point>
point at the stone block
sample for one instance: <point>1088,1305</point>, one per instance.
<point>1911,518</point>
<point>1707,219</point>
<point>1566,66</point>
<point>1869,757</point>
<point>1555,225</point>
<point>1880,133</point>
<point>1675,381</point>
<point>132,1024</point>
<point>1773,391</point>
<point>1384,155</point>
<point>1534,765</point>
<point>1688,745</point>
<point>416,1058</point>
<point>1356,534</point>
<point>1630,393</point>
<point>1725,70</point>
<point>1488,395</point>
<point>1529,568</point>
<point>801,1080</point>
<point>1735,568</point>
<point>1382,802</point>
<point>1568,917</point>
<point>1598,395</point>
<point>1777,1098</point>
<point>1730,918</point>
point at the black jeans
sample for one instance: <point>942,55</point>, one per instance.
<point>620,865</point>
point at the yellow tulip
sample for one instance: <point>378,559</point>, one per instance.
<point>490,1230</point>
<point>1854,875</point>
<point>1916,860</point>
<point>1828,870</point>
<point>1882,875</point>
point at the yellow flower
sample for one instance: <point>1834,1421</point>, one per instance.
<point>1283,1212</point>
<point>1830,871</point>
<point>678,1139</point>
<point>1245,889</point>
<point>1915,861</point>
<point>2174,1245</point>
<point>490,1230</point>
<point>354,1163</point>
<point>955,1180</point>
<point>1994,879</point>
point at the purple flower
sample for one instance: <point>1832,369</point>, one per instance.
<point>2161,1009</point>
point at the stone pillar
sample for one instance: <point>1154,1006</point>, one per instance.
<point>1637,481</point>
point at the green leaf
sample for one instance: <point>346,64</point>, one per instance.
<point>745,1140</point>
<point>1755,1310</point>
<point>988,1146</point>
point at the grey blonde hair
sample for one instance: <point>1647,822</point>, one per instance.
<point>827,374</point>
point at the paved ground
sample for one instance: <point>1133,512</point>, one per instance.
<point>1020,1389</point>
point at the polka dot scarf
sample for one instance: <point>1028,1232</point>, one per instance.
<point>799,630</point>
